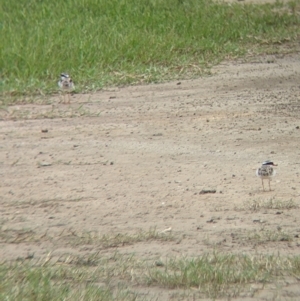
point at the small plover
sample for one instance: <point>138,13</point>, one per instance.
<point>266,171</point>
<point>66,84</point>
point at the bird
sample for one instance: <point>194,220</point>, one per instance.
<point>266,171</point>
<point>66,84</point>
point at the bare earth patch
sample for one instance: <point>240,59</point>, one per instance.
<point>134,159</point>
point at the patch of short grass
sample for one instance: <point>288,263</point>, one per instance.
<point>218,275</point>
<point>116,277</point>
<point>26,282</point>
<point>272,203</point>
<point>104,43</point>
<point>76,238</point>
<point>263,236</point>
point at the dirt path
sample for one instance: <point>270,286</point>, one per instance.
<point>134,158</point>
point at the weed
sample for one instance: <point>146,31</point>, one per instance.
<point>111,241</point>
<point>271,203</point>
<point>263,236</point>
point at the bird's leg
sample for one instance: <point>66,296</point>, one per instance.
<point>269,185</point>
<point>69,98</point>
<point>262,181</point>
<point>60,97</point>
<point>66,99</point>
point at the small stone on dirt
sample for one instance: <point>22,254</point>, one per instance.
<point>212,220</point>
<point>203,191</point>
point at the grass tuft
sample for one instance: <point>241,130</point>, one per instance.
<point>272,203</point>
<point>264,236</point>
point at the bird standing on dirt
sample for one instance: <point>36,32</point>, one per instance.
<point>66,85</point>
<point>266,171</point>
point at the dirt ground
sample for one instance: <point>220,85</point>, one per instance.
<point>135,158</point>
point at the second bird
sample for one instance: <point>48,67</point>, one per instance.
<point>266,171</point>
<point>66,84</point>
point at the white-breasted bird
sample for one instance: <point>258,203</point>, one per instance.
<point>66,84</point>
<point>266,171</point>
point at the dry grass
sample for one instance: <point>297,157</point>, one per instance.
<point>76,238</point>
<point>271,203</point>
<point>111,241</point>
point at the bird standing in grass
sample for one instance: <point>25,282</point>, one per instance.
<point>66,85</point>
<point>266,171</point>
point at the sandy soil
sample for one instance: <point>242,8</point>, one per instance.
<point>138,157</point>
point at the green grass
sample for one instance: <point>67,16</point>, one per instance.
<point>26,283</point>
<point>104,43</point>
<point>115,278</point>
